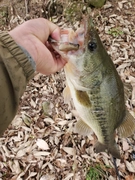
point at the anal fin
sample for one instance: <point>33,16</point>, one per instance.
<point>82,128</point>
<point>127,127</point>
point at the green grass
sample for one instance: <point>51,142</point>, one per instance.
<point>95,173</point>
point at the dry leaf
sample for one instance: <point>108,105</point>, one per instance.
<point>20,153</point>
<point>55,157</point>
<point>111,178</point>
<point>42,144</point>
<point>130,166</point>
<point>31,175</point>
<point>69,176</point>
<point>40,153</point>
<point>125,145</point>
<point>129,177</point>
<point>69,150</point>
<point>48,177</point>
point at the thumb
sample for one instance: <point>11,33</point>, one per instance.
<point>55,34</point>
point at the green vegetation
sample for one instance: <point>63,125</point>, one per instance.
<point>3,15</point>
<point>96,3</point>
<point>96,172</point>
<point>115,32</point>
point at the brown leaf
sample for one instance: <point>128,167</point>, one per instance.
<point>129,177</point>
<point>42,144</point>
<point>125,145</point>
<point>130,166</point>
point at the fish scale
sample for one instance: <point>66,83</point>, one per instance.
<point>100,116</point>
<point>95,88</point>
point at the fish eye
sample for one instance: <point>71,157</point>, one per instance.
<point>92,46</point>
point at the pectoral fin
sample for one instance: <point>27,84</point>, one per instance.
<point>82,128</point>
<point>83,98</point>
<point>67,95</point>
<point>127,127</point>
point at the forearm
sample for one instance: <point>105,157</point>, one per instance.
<point>16,68</point>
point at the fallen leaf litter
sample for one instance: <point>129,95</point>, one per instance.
<point>40,143</point>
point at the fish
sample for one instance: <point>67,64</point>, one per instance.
<point>95,87</point>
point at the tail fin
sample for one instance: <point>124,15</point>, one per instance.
<point>113,150</point>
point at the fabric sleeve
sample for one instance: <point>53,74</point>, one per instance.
<point>16,69</point>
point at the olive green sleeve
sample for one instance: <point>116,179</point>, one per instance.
<point>16,69</point>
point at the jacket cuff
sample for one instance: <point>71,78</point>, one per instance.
<point>20,54</point>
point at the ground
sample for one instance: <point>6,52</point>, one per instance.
<point>40,144</point>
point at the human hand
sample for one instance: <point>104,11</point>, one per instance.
<point>33,36</point>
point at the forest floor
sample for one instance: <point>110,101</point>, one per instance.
<point>40,143</point>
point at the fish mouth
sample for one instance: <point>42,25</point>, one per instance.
<point>64,46</point>
<point>70,40</point>
<point>74,41</point>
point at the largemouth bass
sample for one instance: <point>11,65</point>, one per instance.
<point>95,87</point>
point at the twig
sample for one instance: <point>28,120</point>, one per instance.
<point>26,7</point>
<point>116,169</point>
